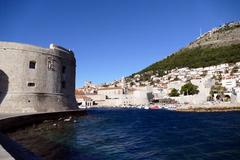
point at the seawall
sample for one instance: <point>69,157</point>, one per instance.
<point>14,122</point>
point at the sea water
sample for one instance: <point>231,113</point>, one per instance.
<point>137,134</point>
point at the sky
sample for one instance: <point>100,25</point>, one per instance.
<point>113,38</point>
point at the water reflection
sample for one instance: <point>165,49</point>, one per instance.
<point>138,134</point>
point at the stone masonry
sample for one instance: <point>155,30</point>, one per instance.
<point>36,79</point>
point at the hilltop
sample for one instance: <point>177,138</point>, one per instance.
<point>225,35</point>
<point>217,46</point>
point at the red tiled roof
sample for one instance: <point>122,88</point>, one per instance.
<point>79,92</point>
<point>110,88</point>
<point>83,97</point>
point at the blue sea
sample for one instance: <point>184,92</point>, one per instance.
<point>119,134</point>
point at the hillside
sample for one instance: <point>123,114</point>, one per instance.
<point>220,45</point>
<point>224,35</point>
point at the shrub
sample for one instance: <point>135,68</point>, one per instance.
<point>189,89</point>
<point>174,93</point>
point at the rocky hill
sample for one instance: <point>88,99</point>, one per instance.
<point>224,35</point>
<point>219,45</point>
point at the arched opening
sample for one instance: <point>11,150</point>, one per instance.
<point>219,98</point>
<point>227,98</point>
<point>3,85</point>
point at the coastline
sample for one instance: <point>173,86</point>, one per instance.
<point>217,107</point>
<point>114,127</point>
<point>15,150</point>
<point>221,107</point>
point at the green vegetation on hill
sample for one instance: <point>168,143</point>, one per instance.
<point>228,27</point>
<point>189,89</point>
<point>174,93</point>
<point>195,58</point>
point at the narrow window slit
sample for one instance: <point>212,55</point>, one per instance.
<point>31,84</point>
<point>32,64</point>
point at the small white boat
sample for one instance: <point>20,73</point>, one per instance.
<point>82,107</point>
<point>146,107</point>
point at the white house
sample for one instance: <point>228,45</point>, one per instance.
<point>229,83</point>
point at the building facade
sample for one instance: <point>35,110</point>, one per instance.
<point>36,79</point>
<point>111,93</point>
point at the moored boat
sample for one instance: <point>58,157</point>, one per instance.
<point>154,107</point>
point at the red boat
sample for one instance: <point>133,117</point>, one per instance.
<point>154,107</point>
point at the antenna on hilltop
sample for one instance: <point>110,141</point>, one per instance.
<point>200,32</point>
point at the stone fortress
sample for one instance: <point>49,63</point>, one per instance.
<point>36,79</point>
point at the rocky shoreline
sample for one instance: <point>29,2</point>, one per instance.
<point>209,108</point>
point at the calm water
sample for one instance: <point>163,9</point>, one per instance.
<point>137,134</point>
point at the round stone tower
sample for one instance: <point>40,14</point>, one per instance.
<point>35,79</point>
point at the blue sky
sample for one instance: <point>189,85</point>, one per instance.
<point>112,38</point>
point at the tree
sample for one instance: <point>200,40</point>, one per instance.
<point>234,70</point>
<point>189,89</point>
<point>174,93</point>
<point>132,83</point>
<point>217,89</point>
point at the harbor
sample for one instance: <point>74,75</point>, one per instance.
<point>120,80</point>
<point>111,133</point>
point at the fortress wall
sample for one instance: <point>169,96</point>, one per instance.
<point>48,86</point>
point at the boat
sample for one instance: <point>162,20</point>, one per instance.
<point>146,107</point>
<point>82,107</point>
<point>154,107</point>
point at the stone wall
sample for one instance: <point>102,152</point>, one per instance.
<point>36,79</point>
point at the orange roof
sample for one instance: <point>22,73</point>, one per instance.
<point>79,91</point>
<point>83,97</point>
<point>110,88</point>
